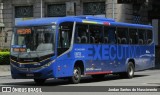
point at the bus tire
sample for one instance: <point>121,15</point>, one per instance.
<point>98,76</point>
<point>39,81</point>
<point>130,71</point>
<point>76,75</point>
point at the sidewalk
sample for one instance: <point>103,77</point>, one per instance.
<point>5,70</point>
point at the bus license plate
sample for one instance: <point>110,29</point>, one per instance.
<point>29,75</point>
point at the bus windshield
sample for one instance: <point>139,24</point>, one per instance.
<point>29,42</point>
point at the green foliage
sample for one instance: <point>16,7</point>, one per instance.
<point>4,50</point>
<point>4,58</point>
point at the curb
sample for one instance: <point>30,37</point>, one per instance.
<point>5,74</point>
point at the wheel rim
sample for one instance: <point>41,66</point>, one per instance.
<point>131,71</point>
<point>76,74</point>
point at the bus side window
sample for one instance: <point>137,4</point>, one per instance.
<point>122,35</point>
<point>149,36</point>
<point>81,35</point>
<point>133,36</point>
<point>96,34</point>
<point>112,35</point>
<point>105,39</point>
<point>141,36</point>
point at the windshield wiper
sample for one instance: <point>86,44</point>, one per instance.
<point>38,56</point>
<point>29,53</point>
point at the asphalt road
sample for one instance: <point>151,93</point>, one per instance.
<point>143,78</point>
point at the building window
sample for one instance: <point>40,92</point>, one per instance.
<point>6,36</point>
<point>94,8</point>
<point>136,14</point>
<point>56,10</point>
<point>23,11</point>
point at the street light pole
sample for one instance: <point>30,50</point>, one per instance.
<point>113,9</point>
<point>41,9</point>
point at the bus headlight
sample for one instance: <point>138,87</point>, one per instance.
<point>48,64</point>
<point>44,66</point>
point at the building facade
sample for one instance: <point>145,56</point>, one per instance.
<point>13,11</point>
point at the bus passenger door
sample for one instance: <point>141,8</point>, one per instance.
<point>63,53</point>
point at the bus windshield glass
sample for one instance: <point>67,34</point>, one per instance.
<point>29,42</point>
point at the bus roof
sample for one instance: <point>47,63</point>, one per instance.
<point>82,19</point>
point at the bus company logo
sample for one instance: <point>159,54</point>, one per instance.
<point>6,89</point>
<point>78,55</point>
<point>112,52</point>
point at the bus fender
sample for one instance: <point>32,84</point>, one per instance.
<point>76,61</point>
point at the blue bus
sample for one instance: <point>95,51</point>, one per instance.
<point>69,47</point>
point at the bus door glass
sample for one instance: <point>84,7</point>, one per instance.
<point>64,37</point>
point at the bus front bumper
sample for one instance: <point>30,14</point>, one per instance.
<point>32,73</point>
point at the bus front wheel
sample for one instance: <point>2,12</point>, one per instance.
<point>76,75</point>
<point>39,81</point>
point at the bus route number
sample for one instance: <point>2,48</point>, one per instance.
<point>24,31</point>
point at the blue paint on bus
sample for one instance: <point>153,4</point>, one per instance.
<point>111,58</point>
